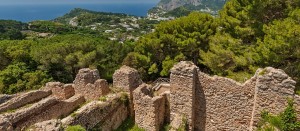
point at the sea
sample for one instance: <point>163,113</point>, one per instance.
<point>27,13</point>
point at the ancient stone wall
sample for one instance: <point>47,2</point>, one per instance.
<point>24,99</point>
<point>22,114</point>
<point>149,110</point>
<point>223,104</point>
<point>60,90</point>
<point>104,115</point>
<point>5,98</point>
<point>182,97</point>
<point>88,84</point>
<point>297,104</point>
<point>49,125</point>
<point>58,110</point>
<point>273,88</point>
<point>126,78</point>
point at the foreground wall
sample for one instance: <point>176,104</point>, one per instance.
<point>149,110</point>
<point>218,103</point>
<point>105,116</point>
<point>223,104</point>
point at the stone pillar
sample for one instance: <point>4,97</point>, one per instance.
<point>182,97</point>
<point>88,84</point>
<point>273,88</point>
<point>127,79</point>
<point>149,109</point>
<point>60,90</point>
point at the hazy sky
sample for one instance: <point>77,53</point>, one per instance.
<point>9,2</point>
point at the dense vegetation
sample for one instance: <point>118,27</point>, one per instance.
<point>285,121</point>
<point>29,64</point>
<point>88,17</point>
<point>184,7</point>
<point>246,35</point>
<point>10,29</point>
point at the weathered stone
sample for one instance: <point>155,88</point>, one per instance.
<point>60,90</point>
<point>223,104</point>
<point>89,84</point>
<point>50,125</point>
<point>126,78</point>
<point>297,105</point>
<point>4,98</point>
<point>24,99</point>
<point>273,97</point>
<point>149,110</point>
<point>5,125</point>
<point>58,110</point>
<point>86,76</point>
<point>183,86</point>
<point>106,115</point>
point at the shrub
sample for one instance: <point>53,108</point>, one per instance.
<point>285,121</point>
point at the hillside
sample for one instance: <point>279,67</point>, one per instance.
<point>178,8</point>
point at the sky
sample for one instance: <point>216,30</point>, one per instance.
<point>15,2</point>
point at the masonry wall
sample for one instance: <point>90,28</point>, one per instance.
<point>104,115</point>
<point>149,110</point>
<point>4,98</point>
<point>182,94</point>
<point>223,104</point>
<point>60,90</point>
<point>297,104</point>
<point>24,99</point>
<point>273,89</point>
<point>58,110</point>
<point>22,114</point>
<point>127,79</point>
<point>88,84</point>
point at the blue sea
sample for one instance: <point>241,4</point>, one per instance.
<point>27,13</point>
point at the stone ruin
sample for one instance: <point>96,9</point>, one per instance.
<point>192,99</point>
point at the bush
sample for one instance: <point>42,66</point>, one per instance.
<point>285,121</point>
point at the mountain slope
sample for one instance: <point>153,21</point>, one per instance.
<point>177,8</point>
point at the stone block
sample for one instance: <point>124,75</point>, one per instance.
<point>126,78</point>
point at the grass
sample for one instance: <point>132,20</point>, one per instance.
<point>75,128</point>
<point>166,127</point>
<point>73,114</point>
<point>129,125</point>
<point>125,98</point>
<point>103,98</point>
<point>263,72</point>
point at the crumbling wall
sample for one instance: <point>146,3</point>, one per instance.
<point>182,97</point>
<point>104,115</point>
<point>58,110</point>
<point>5,98</point>
<point>149,109</point>
<point>50,125</point>
<point>24,99</point>
<point>297,105</point>
<point>126,78</point>
<point>88,84</point>
<point>273,89</point>
<point>223,104</point>
<point>60,90</point>
<point>15,117</point>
